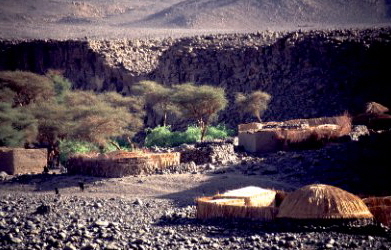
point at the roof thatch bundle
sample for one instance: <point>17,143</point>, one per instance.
<point>323,202</point>
<point>248,202</point>
<point>375,108</point>
<point>377,201</point>
<point>210,207</point>
<point>253,196</point>
<point>382,214</point>
<point>380,207</point>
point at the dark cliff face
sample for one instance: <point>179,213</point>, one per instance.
<point>308,74</point>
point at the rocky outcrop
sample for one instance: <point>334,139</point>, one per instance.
<point>308,74</point>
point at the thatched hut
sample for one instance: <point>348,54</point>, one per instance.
<point>375,108</point>
<point>248,202</point>
<point>380,207</point>
<point>321,201</point>
<point>375,117</point>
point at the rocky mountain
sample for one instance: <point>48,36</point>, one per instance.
<point>258,14</point>
<point>63,19</point>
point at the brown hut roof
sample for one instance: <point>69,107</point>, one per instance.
<point>320,201</point>
<point>375,108</point>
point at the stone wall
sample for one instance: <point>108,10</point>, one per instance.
<point>209,152</point>
<point>308,74</point>
<point>22,161</point>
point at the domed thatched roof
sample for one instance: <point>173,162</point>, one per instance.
<point>323,202</point>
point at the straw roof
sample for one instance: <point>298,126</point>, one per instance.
<point>210,207</point>
<point>248,191</point>
<point>253,196</point>
<point>375,108</point>
<point>323,202</point>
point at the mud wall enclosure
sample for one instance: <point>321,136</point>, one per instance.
<point>308,74</point>
<point>22,161</point>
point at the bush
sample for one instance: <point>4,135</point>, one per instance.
<point>69,147</point>
<point>163,137</point>
<point>219,132</point>
<point>159,136</point>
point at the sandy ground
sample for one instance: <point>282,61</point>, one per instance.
<point>179,187</point>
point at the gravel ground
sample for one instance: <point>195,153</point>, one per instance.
<point>158,211</point>
<point>47,221</point>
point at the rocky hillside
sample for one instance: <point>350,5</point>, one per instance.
<point>308,73</point>
<point>253,14</point>
<point>64,19</point>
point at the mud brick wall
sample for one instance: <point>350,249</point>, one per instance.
<point>22,161</point>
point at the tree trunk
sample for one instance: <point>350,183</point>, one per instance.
<point>115,145</point>
<point>204,129</point>
<point>164,122</point>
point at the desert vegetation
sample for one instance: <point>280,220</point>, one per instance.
<point>199,104</point>
<point>164,137</point>
<point>44,110</point>
<point>254,103</point>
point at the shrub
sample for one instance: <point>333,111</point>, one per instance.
<point>163,137</point>
<point>219,132</point>
<point>69,147</point>
<point>159,136</point>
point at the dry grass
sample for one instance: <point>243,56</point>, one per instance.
<point>248,202</point>
<point>380,207</point>
<point>120,163</point>
<point>323,202</point>
<point>382,214</point>
<point>375,108</point>
<point>321,131</point>
<point>377,201</point>
<point>252,196</point>
<point>207,209</point>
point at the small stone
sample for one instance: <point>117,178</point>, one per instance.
<point>89,246</point>
<point>62,235</point>
<point>101,223</point>
<point>3,175</point>
<point>210,166</point>
<point>215,245</point>
<point>138,202</point>
<point>16,240</point>
<point>328,245</point>
<point>98,205</point>
<point>43,209</point>
<point>112,246</point>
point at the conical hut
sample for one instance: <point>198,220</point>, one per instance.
<point>321,201</point>
<point>374,117</point>
<point>375,108</point>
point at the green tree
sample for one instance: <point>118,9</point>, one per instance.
<point>84,115</point>
<point>17,127</point>
<point>46,110</point>
<point>201,103</point>
<point>61,84</point>
<point>21,88</point>
<point>254,103</point>
<point>156,96</point>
